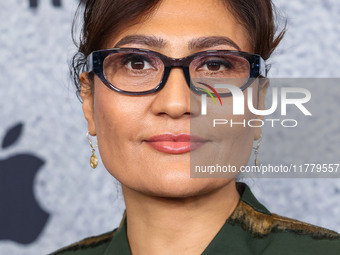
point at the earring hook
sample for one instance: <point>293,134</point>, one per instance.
<point>256,151</point>
<point>88,137</point>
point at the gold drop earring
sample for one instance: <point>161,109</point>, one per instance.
<point>257,151</point>
<point>93,159</point>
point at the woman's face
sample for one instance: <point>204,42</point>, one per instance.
<point>124,124</point>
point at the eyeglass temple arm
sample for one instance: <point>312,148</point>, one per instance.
<point>89,64</point>
<point>264,67</point>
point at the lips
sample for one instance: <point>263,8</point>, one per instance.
<point>175,144</point>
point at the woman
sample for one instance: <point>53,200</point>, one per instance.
<point>142,99</point>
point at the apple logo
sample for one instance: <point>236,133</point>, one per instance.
<point>21,218</point>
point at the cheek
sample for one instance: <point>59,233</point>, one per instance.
<point>118,120</point>
<point>232,137</point>
<point>242,134</point>
<point>237,138</point>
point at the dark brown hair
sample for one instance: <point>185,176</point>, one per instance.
<point>103,18</point>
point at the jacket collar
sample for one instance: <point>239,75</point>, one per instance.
<point>229,237</point>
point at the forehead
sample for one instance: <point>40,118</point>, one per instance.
<point>178,22</point>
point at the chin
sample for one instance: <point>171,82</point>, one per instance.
<point>178,187</point>
<point>174,182</point>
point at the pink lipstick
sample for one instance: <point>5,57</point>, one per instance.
<point>175,144</point>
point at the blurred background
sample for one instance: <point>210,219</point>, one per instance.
<point>49,194</point>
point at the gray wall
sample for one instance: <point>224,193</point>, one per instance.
<point>72,200</point>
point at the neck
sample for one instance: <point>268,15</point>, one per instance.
<point>171,225</point>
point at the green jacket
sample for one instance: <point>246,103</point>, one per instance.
<point>251,229</point>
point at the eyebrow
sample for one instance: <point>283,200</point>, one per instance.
<point>211,41</point>
<point>197,43</point>
<point>151,41</point>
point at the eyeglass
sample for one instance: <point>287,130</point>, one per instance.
<point>134,71</point>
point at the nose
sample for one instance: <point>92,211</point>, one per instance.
<point>174,99</point>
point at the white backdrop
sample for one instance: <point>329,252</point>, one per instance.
<point>35,47</point>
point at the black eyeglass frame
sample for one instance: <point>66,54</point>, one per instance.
<point>95,63</point>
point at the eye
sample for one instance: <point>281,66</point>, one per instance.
<point>215,65</point>
<point>137,62</point>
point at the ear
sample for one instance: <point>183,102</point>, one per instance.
<point>262,91</point>
<point>86,95</point>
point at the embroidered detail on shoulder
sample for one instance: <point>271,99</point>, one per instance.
<point>89,242</point>
<point>260,224</point>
